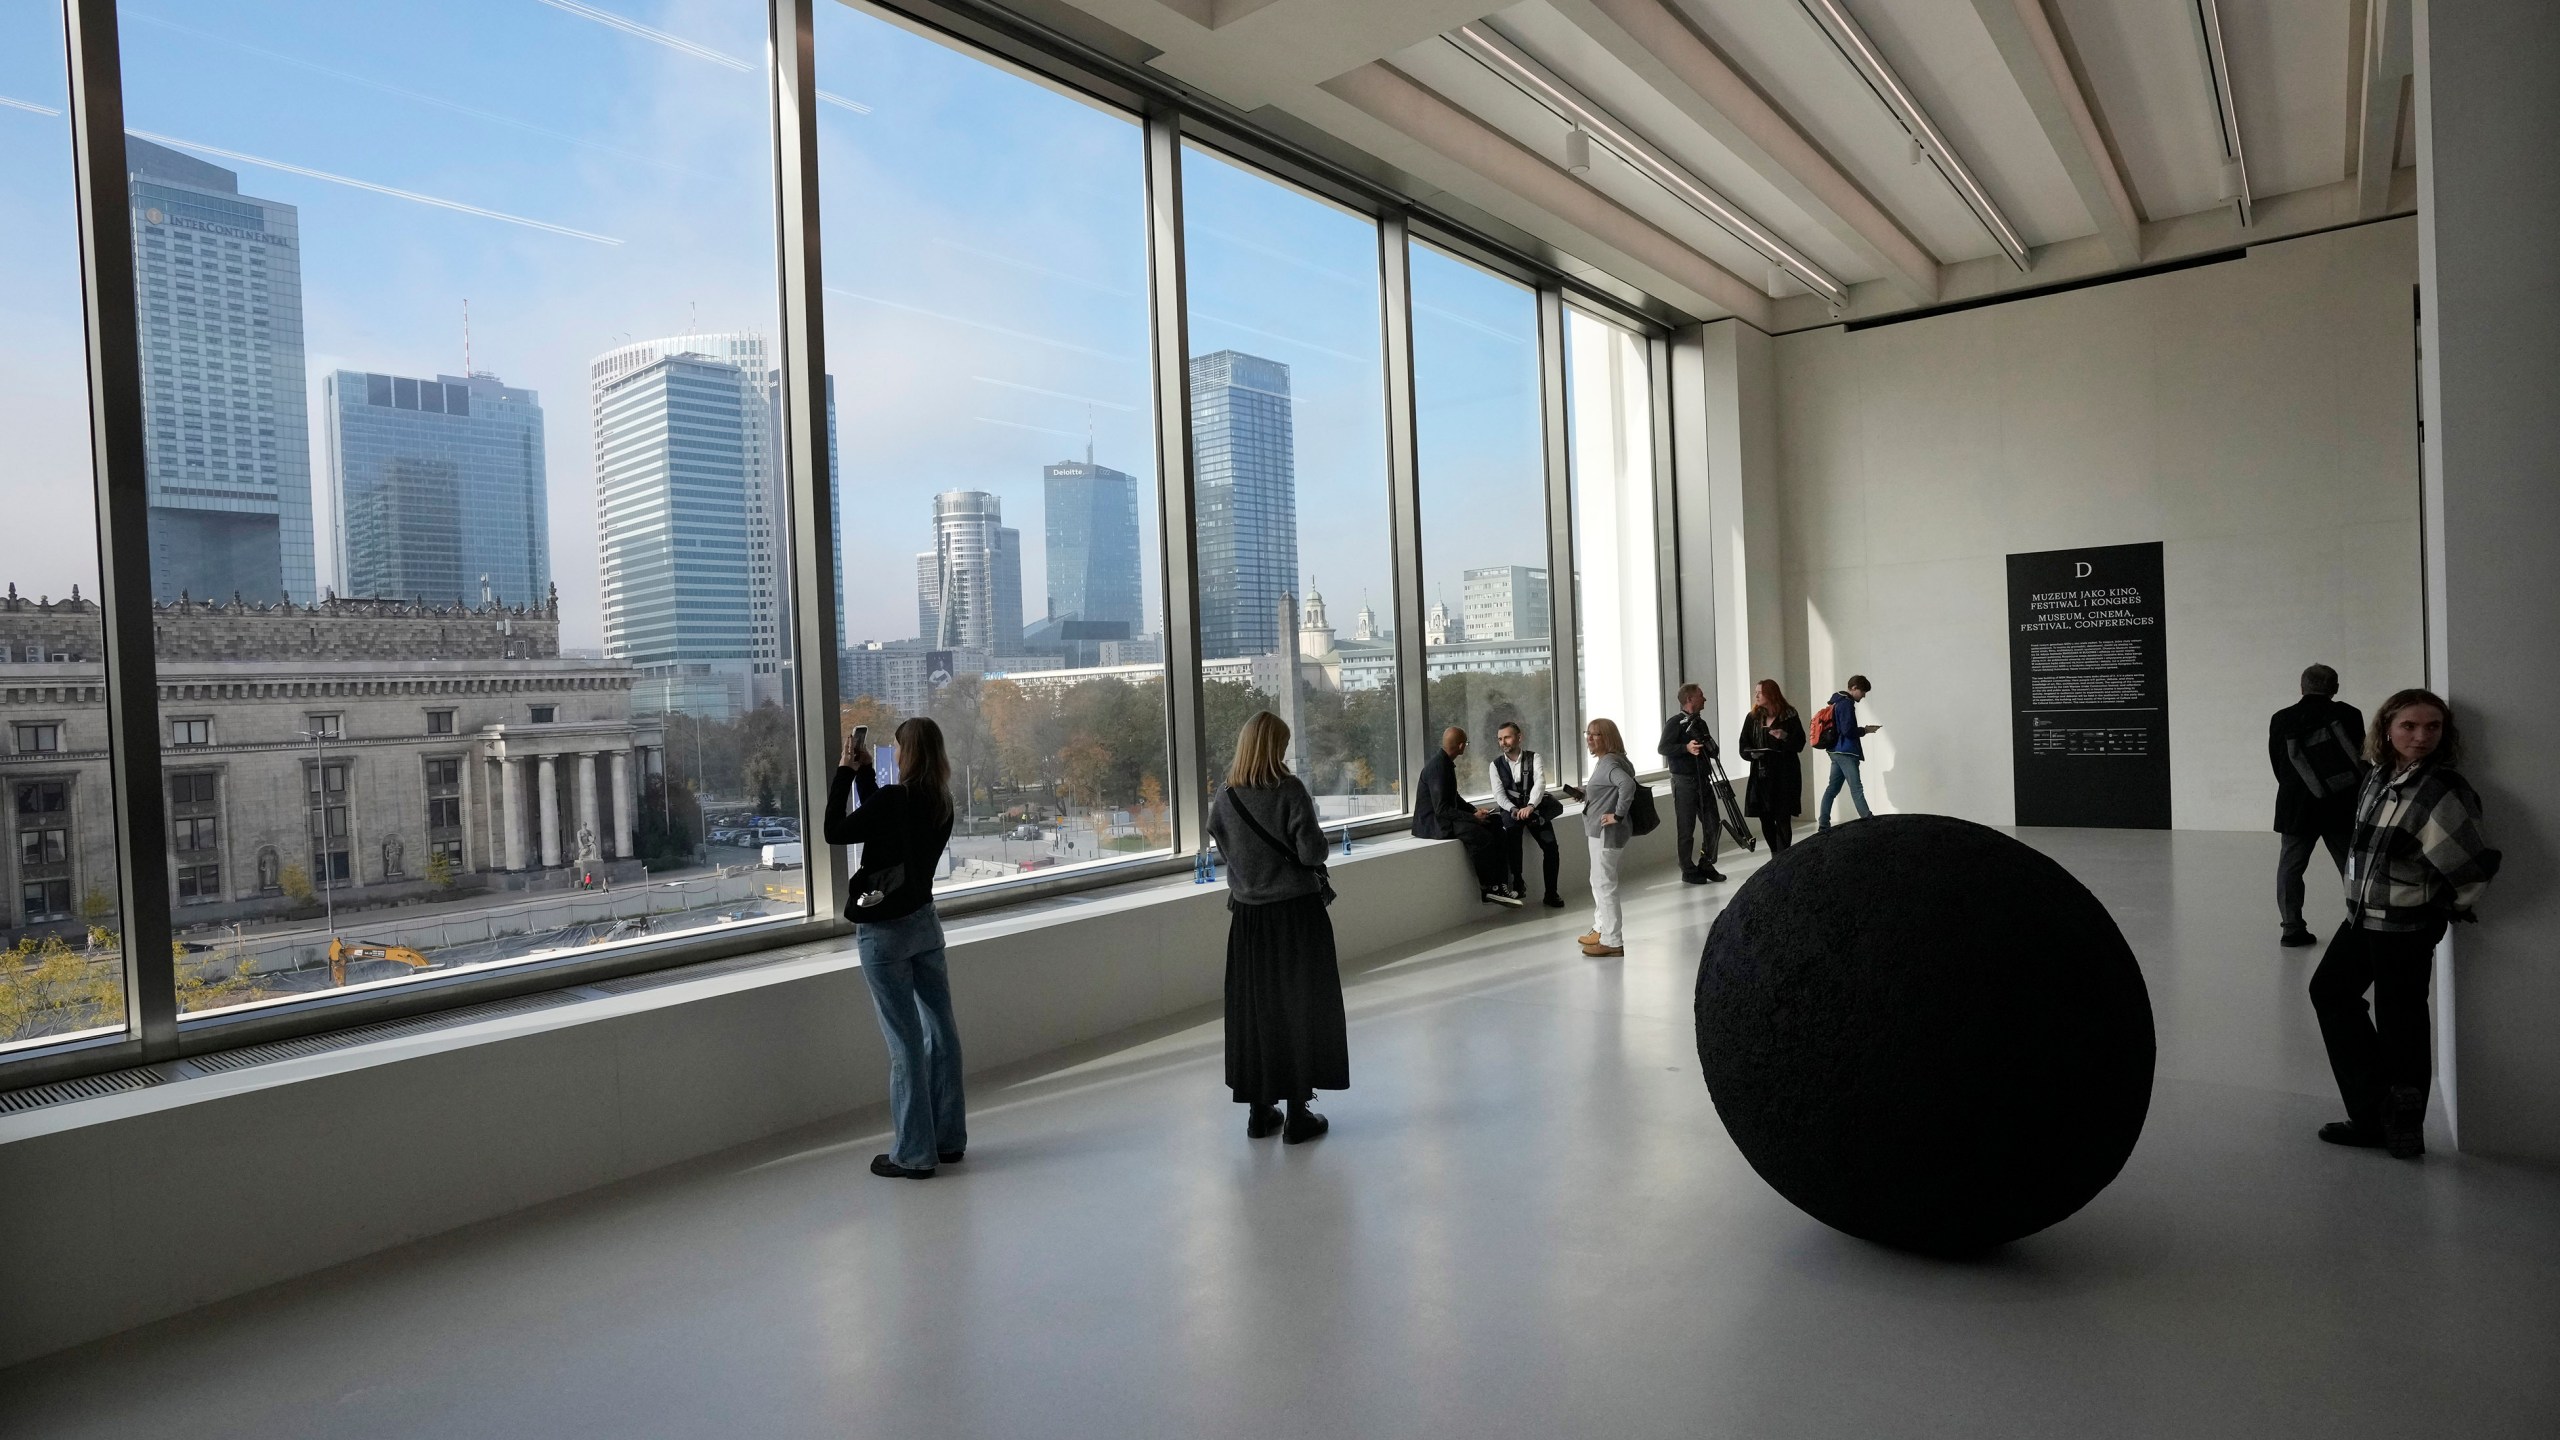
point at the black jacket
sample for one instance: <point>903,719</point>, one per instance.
<point>1438,812</point>
<point>2298,811</point>
<point>1775,750</point>
<point>892,830</point>
<point>1677,732</point>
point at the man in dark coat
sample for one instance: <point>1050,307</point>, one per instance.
<point>2316,748</point>
<point>1439,814</point>
<point>1687,745</point>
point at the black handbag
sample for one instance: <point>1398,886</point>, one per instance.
<point>1323,874</point>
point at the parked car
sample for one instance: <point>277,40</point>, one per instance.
<point>775,835</point>
<point>784,856</point>
<point>1026,832</point>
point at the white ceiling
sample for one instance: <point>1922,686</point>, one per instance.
<point>1802,144</point>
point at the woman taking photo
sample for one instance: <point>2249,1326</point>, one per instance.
<point>2417,862</point>
<point>1608,797</point>
<point>1286,1037</point>
<point>1772,740</point>
<point>902,830</point>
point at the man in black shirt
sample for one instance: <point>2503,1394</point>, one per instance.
<point>1439,814</point>
<point>2316,747</point>
<point>1687,745</point>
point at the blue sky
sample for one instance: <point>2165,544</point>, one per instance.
<point>589,172</point>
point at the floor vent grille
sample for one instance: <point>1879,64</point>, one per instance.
<point>86,1087</point>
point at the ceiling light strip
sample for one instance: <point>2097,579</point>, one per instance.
<point>1868,61</point>
<point>1507,61</point>
<point>2218,72</point>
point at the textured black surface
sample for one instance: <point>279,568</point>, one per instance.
<point>1925,1033</point>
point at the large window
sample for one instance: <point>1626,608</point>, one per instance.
<point>61,938</point>
<point>1289,480</point>
<point>1609,421</point>
<point>1489,627</point>
<point>461,397</point>
<point>1001,546</point>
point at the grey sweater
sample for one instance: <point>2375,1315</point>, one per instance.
<point>1611,790</point>
<point>1256,873</point>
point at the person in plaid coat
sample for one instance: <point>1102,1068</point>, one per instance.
<point>2417,863</point>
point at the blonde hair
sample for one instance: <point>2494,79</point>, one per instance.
<point>1611,742</point>
<point>1262,751</point>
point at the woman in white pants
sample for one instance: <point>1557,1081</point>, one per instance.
<point>1607,797</point>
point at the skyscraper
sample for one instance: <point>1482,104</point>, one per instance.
<point>1245,479</point>
<point>677,466</point>
<point>439,487</point>
<point>1505,602</point>
<point>218,296</point>
<point>969,585</point>
<point>1092,516</point>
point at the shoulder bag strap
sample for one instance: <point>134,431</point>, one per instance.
<point>1267,837</point>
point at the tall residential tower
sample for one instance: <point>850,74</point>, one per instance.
<point>969,585</point>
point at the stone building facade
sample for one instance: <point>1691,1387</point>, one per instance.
<point>386,751</point>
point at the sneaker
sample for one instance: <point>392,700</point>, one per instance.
<point>1304,1126</point>
<point>2346,1132</point>
<point>888,1169</point>
<point>1502,897</point>
<point>1262,1122</point>
<point>2404,1122</point>
<point>2298,937</point>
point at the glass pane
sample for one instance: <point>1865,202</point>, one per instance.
<point>987,323</point>
<point>458,357</point>
<point>1289,472</point>
<point>1489,628</point>
<point>61,962</point>
<point>1609,422</point>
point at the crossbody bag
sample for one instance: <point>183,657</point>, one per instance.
<point>1323,874</point>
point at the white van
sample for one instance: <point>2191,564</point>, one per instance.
<point>785,856</point>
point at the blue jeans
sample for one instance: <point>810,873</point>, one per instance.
<point>903,962</point>
<point>1844,770</point>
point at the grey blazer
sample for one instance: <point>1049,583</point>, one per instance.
<point>1610,791</point>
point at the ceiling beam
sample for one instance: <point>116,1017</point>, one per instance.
<point>1394,99</point>
<point>2024,35</point>
<point>2387,64</point>
<point>1649,38</point>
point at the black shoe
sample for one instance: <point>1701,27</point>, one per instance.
<point>2404,1122</point>
<point>2346,1132</point>
<point>2299,937</point>
<point>953,1157</point>
<point>1555,902</point>
<point>1713,875</point>
<point>1261,1123</point>
<point>888,1169</point>
<point>1303,1126</point>
<point>1695,877</point>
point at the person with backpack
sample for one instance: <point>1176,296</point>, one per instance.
<point>1836,729</point>
<point>2417,863</point>
<point>1286,1034</point>
<point>2316,747</point>
<point>1687,745</point>
<point>1610,809</point>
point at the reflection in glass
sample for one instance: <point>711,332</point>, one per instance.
<point>463,433</point>
<point>1489,626</point>
<point>987,323</point>
<point>1289,477</point>
<point>1609,420</point>
<point>61,950</point>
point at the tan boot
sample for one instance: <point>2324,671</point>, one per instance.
<point>1602,952</point>
<point>1587,937</point>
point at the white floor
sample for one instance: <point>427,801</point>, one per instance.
<point>1527,1222</point>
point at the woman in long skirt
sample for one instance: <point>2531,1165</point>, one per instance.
<point>1286,1037</point>
<point>1773,741</point>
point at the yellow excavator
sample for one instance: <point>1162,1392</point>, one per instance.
<point>340,952</point>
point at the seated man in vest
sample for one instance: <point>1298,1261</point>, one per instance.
<point>1520,790</point>
<point>1438,814</point>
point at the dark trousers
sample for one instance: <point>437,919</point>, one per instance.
<point>1516,839</point>
<point>1688,812</point>
<point>1780,833</point>
<point>2295,859</point>
<point>1487,854</point>
<point>2376,1052</point>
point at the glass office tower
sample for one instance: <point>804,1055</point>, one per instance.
<point>218,288</point>
<point>969,585</point>
<point>440,488</point>
<point>1243,463</point>
<point>678,454</point>
<point>1092,514</point>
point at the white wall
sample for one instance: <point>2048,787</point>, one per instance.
<point>2257,416</point>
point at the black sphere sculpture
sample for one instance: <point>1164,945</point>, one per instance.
<point>1925,1033</point>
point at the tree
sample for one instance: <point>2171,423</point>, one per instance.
<point>440,871</point>
<point>1087,768</point>
<point>48,988</point>
<point>296,884</point>
<point>1150,813</point>
<point>97,908</point>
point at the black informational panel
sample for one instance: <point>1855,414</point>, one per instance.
<point>2089,687</point>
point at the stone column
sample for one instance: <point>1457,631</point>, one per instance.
<point>511,806</point>
<point>463,768</point>
<point>626,805</point>
<point>587,810</point>
<point>547,797</point>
